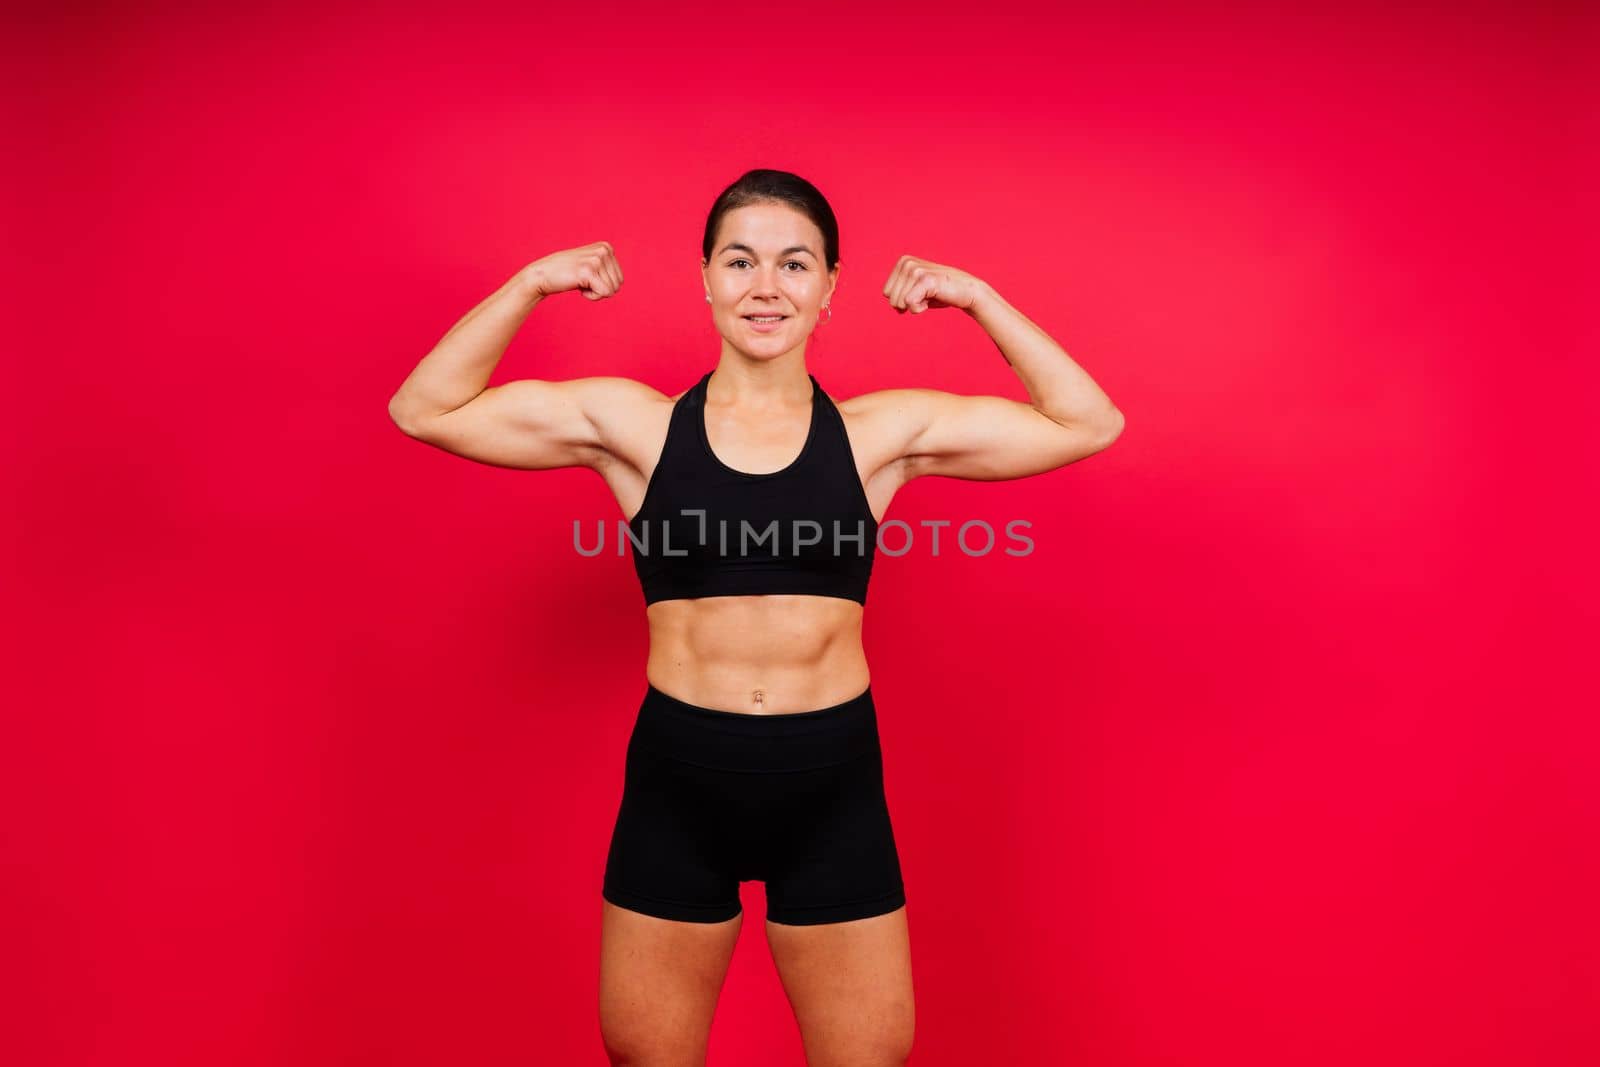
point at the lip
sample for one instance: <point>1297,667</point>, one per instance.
<point>765,327</point>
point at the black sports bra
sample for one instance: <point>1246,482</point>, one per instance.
<point>705,529</point>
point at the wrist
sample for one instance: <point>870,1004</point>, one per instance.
<point>984,296</point>
<point>529,284</point>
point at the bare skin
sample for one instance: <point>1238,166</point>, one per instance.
<point>849,983</point>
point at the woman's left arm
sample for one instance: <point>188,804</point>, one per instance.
<point>989,437</point>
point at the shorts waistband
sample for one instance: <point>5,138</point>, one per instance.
<point>733,740</point>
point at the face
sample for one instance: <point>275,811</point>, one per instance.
<point>767,260</point>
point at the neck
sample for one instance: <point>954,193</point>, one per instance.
<point>778,382</point>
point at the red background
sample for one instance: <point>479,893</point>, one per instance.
<point>1275,751</point>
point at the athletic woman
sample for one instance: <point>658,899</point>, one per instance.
<point>755,499</point>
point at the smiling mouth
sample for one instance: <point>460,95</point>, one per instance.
<point>765,318</point>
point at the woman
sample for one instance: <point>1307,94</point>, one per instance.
<point>755,500</point>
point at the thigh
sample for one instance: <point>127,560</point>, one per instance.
<point>831,853</point>
<point>659,983</point>
<point>671,853</point>
<point>850,986</point>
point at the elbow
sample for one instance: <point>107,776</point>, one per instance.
<point>1110,427</point>
<point>402,416</point>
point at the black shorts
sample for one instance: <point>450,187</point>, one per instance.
<point>713,798</point>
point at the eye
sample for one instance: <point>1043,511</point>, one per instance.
<point>790,263</point>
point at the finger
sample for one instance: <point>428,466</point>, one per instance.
<point>597,280</point>
<point>889,281</point>
<point>909,277</point>
<point>604,284</point>
<point>614,270</point>
<point>917,283</point>
<point>897,291</point>
<point>892,288</point>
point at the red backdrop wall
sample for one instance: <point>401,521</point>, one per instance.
<point>1276,749</point>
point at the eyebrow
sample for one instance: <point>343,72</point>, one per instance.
<point>786,251</point>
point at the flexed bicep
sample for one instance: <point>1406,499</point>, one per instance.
<point>531,424</point>
<point>988,438</point>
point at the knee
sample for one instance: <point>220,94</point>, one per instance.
<point>886,1049</point>
<point>877,1057</point>
<point>636,1047</point>
<point>654,1057</point>
<point>898,1051</point>
<point>894,1043</point>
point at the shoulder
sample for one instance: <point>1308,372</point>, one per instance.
<point>613,391</point>
<point>883,425</point>
<point>881,401</point>
<point>629,416</point>
<point>897,412</point>
<point>611,401</point>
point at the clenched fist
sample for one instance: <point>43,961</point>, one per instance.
<point>591,269</point>
<point>916,285</point>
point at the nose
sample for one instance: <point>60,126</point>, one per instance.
<point>765,283</point>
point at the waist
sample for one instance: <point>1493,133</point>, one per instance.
<point>758,692</point>
<point>819,737</point>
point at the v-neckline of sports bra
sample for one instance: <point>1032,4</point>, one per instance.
<point>805,449</point>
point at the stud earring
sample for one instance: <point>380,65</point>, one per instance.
<point>708,298</point>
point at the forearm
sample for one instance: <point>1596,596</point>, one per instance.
<point>459,366</point>
<point>1055,383</point>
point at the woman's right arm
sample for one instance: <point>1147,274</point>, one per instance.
<point>529,423</point>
